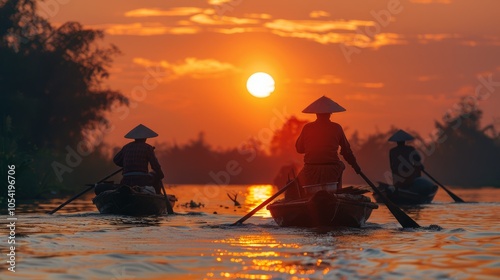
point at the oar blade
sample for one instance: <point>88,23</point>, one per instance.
<point>456,198</point>
<point>400,215</point>
<point>450,193</point>
<point>403,219</point>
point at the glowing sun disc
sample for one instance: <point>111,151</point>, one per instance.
<point>260,84</point>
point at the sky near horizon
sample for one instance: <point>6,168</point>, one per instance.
<point>184,64</point>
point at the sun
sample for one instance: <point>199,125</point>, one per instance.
<point>260,84</point>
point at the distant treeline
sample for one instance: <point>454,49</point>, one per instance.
<point>459,153</point>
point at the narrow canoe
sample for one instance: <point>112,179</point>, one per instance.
<point>323,209</point>
<point>126,201</point>
<point>421,191</point>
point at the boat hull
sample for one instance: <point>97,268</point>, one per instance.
<point>125,201</point>
<point>323,209</point>
<point>422,191</point>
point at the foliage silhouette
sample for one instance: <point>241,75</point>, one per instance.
<point>465,153</point>
<point>52,89</point>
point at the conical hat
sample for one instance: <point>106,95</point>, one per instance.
<point>401,136</point>
<point>140,132</point>
<point>323,105</point>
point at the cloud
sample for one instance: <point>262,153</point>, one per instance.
<point>235,30</point>
<point>431,1</point>
<point>349,39</point>
<point>219,2</point>
<point>155,12</point>
<point>333,32</point>
<point>259,15</point>
<point>318,14</point>
<point>206,19</point>
<point>324,80</point>
<point>145,29</point>
<point>316,25</point>
<point>427,38</point>
<point>371,85</point>
<point>191,67</point>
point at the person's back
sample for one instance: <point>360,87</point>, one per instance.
<point>320,141</point>
<point>135,158</point>
<point>405,161</point>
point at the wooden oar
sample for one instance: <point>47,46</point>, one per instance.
<point>251,213</point>
<point>454,196</point>
<point>402,217</point>
<point>84,191</point>
<point>170,210</point>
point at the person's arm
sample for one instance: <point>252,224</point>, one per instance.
<point>155,165</point>
<point>393,160</point>
<point>299,145</point>
<point>118,159</point>
<point>417,159</point>
<point>346,152</point>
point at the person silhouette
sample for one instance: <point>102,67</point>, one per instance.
<point>135,156</point>
<point>405,161</point>
<point>319,141</point>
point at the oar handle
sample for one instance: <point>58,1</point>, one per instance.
<point>84,191</point>
<point>251,213</point>
<point>170,210</point>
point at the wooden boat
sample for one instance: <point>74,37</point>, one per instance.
<point>127,201</point>
<point>323,209</point>
<point>421,191</point>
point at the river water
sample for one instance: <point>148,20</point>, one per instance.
<point>457,241</point>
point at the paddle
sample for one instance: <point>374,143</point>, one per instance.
<point>84,191</point>
<point>170,210</point>
<point>454,196</point>
<point>402,217</point>
<point>251,213</point>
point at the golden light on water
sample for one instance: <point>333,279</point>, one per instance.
<point>256,195</point>
<point>258,252</point>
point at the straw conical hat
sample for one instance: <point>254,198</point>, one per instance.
<point>323,105</point>
<point>141,132</point>
<point>401,136</point>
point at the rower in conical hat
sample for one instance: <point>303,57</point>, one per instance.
<point>319,141</point>
<point>136,157</point>
<point>405,161</point>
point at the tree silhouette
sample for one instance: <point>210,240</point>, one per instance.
<point>52,88</point>
<point>466,155</point>
<point>52,78</point>
<point>283,141</point>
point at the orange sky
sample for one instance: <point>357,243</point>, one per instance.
<point>185,63</point>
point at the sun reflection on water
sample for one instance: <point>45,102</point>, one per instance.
<point>261,253</point>
<point>256,194</point>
